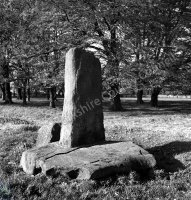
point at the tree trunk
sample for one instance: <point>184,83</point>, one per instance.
<point>55,95</point>
<point>8,95</point>
<point>52,99</point>
<point>48,93</point>
<point>19,93</point>
<point>29,94</point>
<point>28,89</point>
<point>24,96</point>
<point>140,97</point>
<point>3,91</point>
<point>154,96</point>
<point>115,98</point>
<point>24,92</point>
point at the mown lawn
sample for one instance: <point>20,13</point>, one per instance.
<point>163,131</point>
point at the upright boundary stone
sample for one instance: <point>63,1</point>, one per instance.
<point>82,118</point>
<point>82,151</point>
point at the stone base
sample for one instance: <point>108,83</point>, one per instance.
<point>48,134</point>
<point>88,162</point>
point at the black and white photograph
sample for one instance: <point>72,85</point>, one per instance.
<point>95,99</point>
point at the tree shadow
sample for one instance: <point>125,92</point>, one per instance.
<point>168,107</point>
<point>35,102</point>
<point>164,155</point>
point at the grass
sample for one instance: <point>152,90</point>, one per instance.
<point>163,131</point>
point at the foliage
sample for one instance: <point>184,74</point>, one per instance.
<point>146,42</point>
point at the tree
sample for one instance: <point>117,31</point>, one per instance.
<point>153,31</point>
<point>134,39</point>
<point>8,24</point>
<point>91,23</point>
<point>2,86</point>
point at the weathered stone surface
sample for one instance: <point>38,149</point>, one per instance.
<point>48,134</point>
<point>82,125</point>
<point>82,118</point>
<point>3,154</point>
<point>88,162</point>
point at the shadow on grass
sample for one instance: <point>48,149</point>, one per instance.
<point>171,107</point>
<point>36,102</point>
<point>164,155</point>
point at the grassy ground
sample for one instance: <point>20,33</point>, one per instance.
<point>163,131</point>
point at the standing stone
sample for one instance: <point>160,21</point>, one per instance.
<point>82,118</point>
<point>82,124</point>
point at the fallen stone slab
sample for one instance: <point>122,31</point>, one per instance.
<point>48,134</point>
<point>88,162</point>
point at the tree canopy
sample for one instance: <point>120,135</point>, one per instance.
<point>143,44</point>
